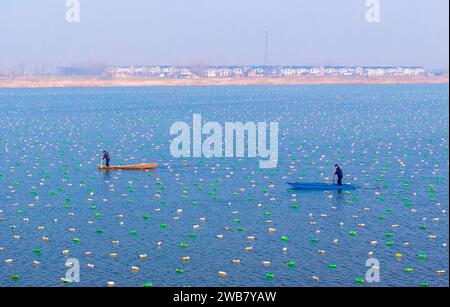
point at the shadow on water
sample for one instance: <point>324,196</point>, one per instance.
<point>338,198</point>
<point>106,174</point>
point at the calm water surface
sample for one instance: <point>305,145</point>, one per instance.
<point>391,140</point>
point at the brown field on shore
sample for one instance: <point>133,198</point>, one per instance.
<point>59,82</point>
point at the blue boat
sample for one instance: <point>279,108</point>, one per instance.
<point>321,186</point>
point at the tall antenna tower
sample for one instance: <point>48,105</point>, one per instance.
<point>266,48</point>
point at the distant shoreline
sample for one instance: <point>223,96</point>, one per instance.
<point>67,82</point>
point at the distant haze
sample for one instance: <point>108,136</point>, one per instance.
<point>190,32</point>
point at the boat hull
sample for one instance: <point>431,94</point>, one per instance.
<point>321,186</point>
<point>129,167</point>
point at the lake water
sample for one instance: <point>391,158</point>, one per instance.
<point>390,140</point>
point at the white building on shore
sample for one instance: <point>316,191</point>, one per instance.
<point>156,71</point>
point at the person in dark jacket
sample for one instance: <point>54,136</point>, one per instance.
<point>338,172</point>
<point>106,157</point>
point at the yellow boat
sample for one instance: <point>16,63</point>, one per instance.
<point>128,167</point>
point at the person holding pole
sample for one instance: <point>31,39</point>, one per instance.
<point>338,172</point>
<point>106,157</point>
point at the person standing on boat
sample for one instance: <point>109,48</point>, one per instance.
<point>338,172</point>
<point>106,157</point>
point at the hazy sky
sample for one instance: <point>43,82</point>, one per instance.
<point>125,32</point>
